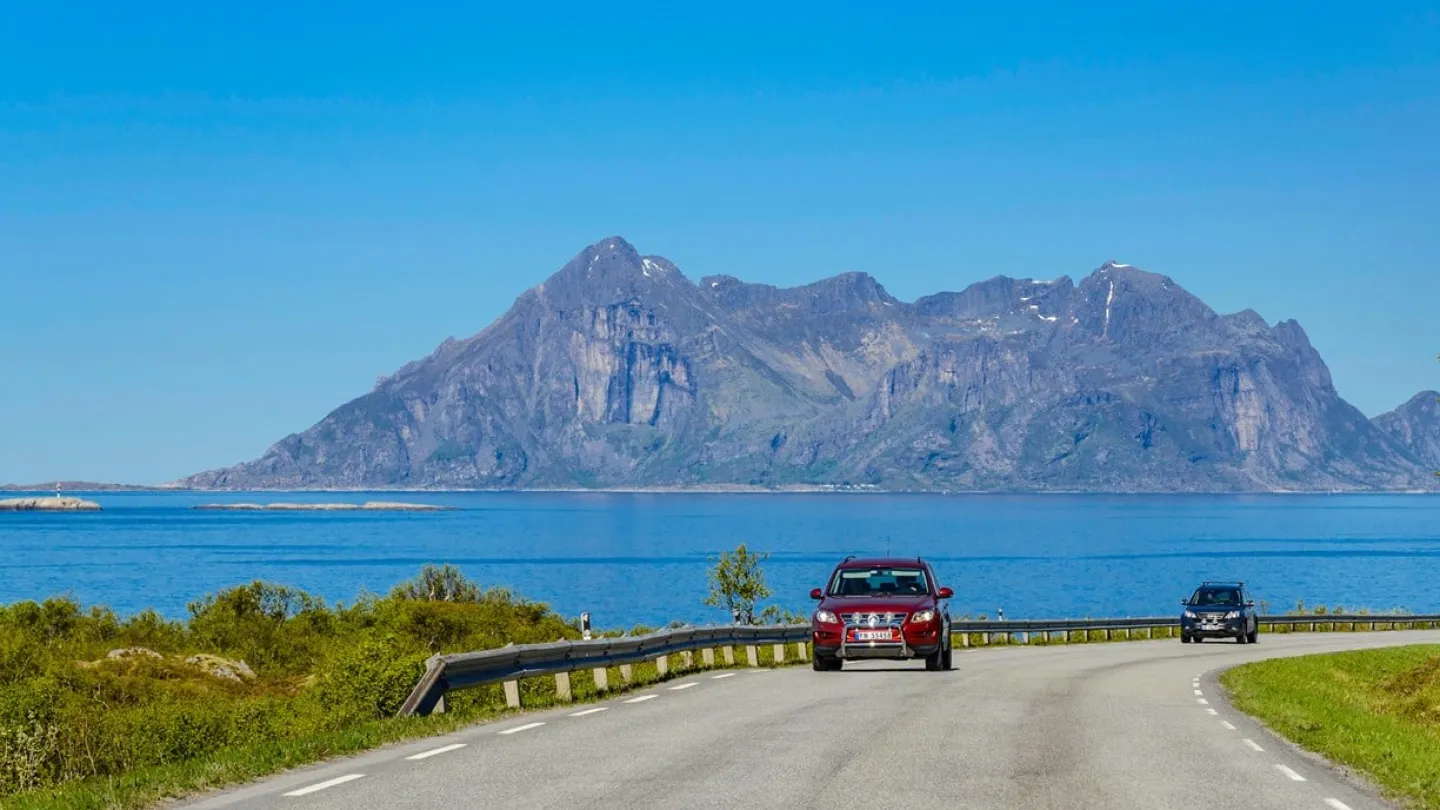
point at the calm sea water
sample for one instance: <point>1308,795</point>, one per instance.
<point>638,558</point>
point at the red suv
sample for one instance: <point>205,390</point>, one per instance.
<point>885,608</point>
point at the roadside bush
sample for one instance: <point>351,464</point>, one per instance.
<point>69,710</point>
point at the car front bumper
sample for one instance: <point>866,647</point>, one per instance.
<point>1226,628</point>
<point>833,644</point>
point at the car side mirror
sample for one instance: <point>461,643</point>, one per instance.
<point>1249,604</point>
<point>944,593</point>
<point>816,594</point>
<point>1184,603</point>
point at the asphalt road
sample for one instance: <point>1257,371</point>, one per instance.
<point>1136,725</point>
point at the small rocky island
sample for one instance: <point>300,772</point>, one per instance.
<point>50,503</point>
<point>368,506</point>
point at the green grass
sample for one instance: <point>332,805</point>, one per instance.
<point>1377,711</point>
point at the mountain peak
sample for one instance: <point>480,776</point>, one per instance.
<point>610,269</point>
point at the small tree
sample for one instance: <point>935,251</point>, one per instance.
<point>439,583</point>
<point>737,583</point>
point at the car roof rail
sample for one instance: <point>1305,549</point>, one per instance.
<point>1223,582</point>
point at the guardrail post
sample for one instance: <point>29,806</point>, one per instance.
<point>439,706</point>
<point>1025,639</point>
<point>602,679</point>
<point>662,665</point>
<point>729,652</point>
<point>964,639</point>
<point>687,660</point>
<point>779,653</point>
<point>512,694</point>
<point>752,654</point>
<point>707,656</point>
<point>627,673</point>
<point>800,650</point>
<point>562,686</point>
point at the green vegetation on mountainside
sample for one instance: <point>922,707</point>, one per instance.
<point>1377,711</point>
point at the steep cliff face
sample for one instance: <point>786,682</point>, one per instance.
<point>1416,426</point>
<point>618,371</point>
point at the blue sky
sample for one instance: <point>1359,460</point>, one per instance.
<point>216,224</point>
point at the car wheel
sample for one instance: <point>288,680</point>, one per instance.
<point>946,657</point>
<point>1254,635</point>
<point>1185,639</point>
<point>818,664</point>
<point>932,661</point>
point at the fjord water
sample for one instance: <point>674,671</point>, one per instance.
<point>642,558</point>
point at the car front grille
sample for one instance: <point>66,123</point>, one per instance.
<point>862,619</point>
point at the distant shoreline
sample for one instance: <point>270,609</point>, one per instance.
<point>717,489</point>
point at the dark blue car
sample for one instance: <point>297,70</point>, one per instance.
<point>1219,610</point>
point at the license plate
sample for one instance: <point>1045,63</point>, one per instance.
<point>872,635</point>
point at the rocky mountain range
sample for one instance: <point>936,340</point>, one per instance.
<point>618,371</point>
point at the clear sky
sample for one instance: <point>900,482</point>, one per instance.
<point>219,221</point>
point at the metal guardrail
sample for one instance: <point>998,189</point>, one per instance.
<point>509,664</point>
<point>462,670</point>
<point>1144,622</point>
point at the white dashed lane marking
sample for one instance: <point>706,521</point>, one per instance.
<point>1211,712</point>
<point>1254,746</point>
<point>1229,726</point>
<point>339,780</point>
<point>1202,701</point>
<point>726,675</point>
<point>518,729</point>
<point>1198,692</point>
<point>1337,804</point>
<point>1294,777</point>
<point>642,698</point>
<point>683,686</point>
<point>589,711</point>
<point>437,751</point>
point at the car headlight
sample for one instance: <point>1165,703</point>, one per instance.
<point>1190,614</point>
<point>826,617</point>
<point>1234,614</point>
<point>922,616</point>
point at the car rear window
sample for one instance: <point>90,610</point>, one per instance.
<point>879,581</point>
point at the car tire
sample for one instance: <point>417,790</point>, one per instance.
<point>1255,635</point>
<point>932,661</point>
<point>945,658</point>
<point>818,664</point>
<point>1185,638</point>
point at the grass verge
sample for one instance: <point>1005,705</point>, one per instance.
<point>1376,711</point>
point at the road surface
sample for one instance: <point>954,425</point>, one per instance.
<point>1130,725</point>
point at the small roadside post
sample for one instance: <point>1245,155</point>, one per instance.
<point>585,625</point>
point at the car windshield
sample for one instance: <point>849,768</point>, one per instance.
<point>879,581</point>
<point>1216,597</point>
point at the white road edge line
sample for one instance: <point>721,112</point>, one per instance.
<point>339,780</point>
<point>519,729</point>
<point>590,711</point>
<point>726,675</point>
<point>1254,746</point>
<point>1294,777</point>
<point>1229,726</point>
<point>1337,804</point>
<point>437,751</point>
<point>683,686</point>
<point>642,698</point>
